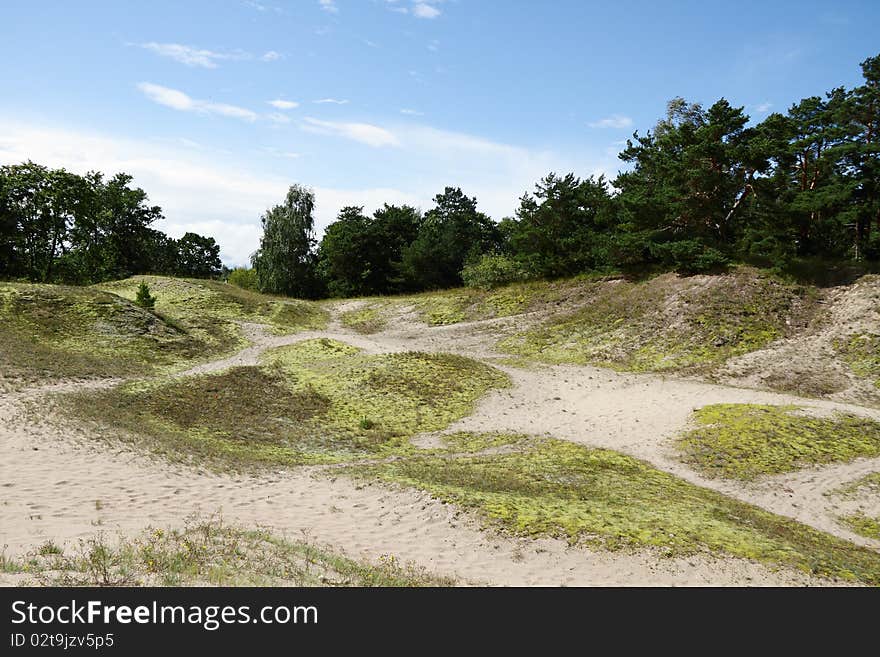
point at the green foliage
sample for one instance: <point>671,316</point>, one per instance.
<point>689,256</point>
<point>610,500</point>
<point>743,441</point>
<point>559,226</point>
<point>285,261</point>
<point>360,256</point>
<point>58,226</point>
<point>244,278</point>
<point>452,233</point>
<point>492,270</point>
<point>143,298</point>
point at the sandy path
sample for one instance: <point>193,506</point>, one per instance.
<point>51,491</point>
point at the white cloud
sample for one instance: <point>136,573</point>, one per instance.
<point>329,5</point>
<point>189,55</point>
<point>433,45</point>
<point>617,121</point>
<point>271,56</point>
<point>411,112</point>
<point>283,104</point>
<point>331,101</point>
<point>180,101</point>
<point>365,133</point>
<point>278,117</point>
<point>425,10</point>
<point>763,108</point>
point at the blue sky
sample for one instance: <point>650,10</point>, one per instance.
<point>216,106</point>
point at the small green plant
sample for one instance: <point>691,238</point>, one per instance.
<point>49,548</point>
<point>366,423</point>
<point>143,298</point>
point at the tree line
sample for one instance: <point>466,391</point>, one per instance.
<point>703,189</point>
<point>57,226</point>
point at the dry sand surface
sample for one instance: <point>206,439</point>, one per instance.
<point>59,484</point>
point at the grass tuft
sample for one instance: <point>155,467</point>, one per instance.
<point>207,552</point>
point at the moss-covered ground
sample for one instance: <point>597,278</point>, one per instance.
<point>198,305</point>
<point>317,401</point>
<point>208,552</point>
<point>862,353</point>
<point>50,332</point>
<point>369,319</point>
<point>668,323</point>
<point>744,441</point>
<point>866,526</point>
<point>606,499</point>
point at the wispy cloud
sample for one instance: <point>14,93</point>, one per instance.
<point>763,108</point>
<point>180,101</point>
<point>425,10</point>
<point>331,101</point>
<point>617,121</point>
<point>329,6</point>
<point>411,112</point>
<point>201,57</point>
<point>418,8</point>
<point>365,133</point>
<point>283,104</point>
<point>189,55</point>
<point>278,117</point>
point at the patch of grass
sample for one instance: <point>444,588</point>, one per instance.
<point>863,525</point>
<point>207,552</point>
<point>609,500</point>
<point>743,441</point>
<point>468,443</point>
<point>668,323</point>
<point>49,332</point>
<point>306,405</point>
<point>862,353</point>
<point>364,320</point>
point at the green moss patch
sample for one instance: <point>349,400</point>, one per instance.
<point>863,525</point>
<point>53,331</point>
<point>318,401</point>
<point>743,441</point>
<point>668,323</point>
<point>862,353</point>
<point>609,500</point>
<point>364,320</point>
<point>211,553</point>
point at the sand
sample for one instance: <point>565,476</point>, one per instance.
<point>60,484</point>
